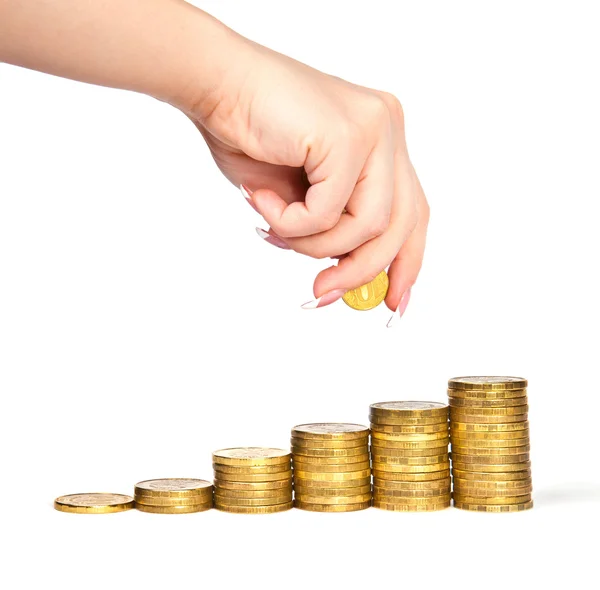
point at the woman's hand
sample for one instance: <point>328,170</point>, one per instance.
<point>267,120</point>
<point>272,118</point>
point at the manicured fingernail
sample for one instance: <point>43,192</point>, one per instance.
<point>270,239</point>
<point>400,309</point>
<point>326,299</point>
<point>247,194</point>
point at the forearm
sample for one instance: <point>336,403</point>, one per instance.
<point>165,48</point>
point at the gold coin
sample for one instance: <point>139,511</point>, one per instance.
<point>394,421</point>
<point>492,508</point>
<point>483,394</point>
<point>485,420</point>
<point>488,468</point>
<point>478,452</point>
<point>497,501</point>
<point>409,429</point>
<point>254,470</point>
<point>413,486</point>
<point>353,491</point>
<point>313,483</point>
<point>525,473</point>
<point>253,486</point>
<point>490,443</point>
<point>458,402</point>
<point>283,492</point>
<point>387,467</point>
<point>412,500</point>
<point>305,443</point>
<point>255,509</point>
<point>401,477</point>
<point>382,505</point>
<point>319,468</point>
<point>497,485</point>
<point>330,431</point>
<point>388,460</point>
<point>333,476</point>
<point>409,409</point>
<point>370,295</point>
<point>230,501</point>
<point>487,493</point>
<point>174,509</point>
<point>302,460</point>
<point>330,453</point>
<point>251,456</point>
<point>94,503</point>
<point>385,452</point>
<point>333,500</point>
<point>260,478</point>
<point>487,383</point>
<point>406,437</point>
<point>332,507</point>
<point>401,445</point>
<point>381,493</point>
<point>487,459</point>
<point>485,412</point>
<point>185,501</point>
<point>456,427</point>
<point>468,436</point>
<point>172,487</point>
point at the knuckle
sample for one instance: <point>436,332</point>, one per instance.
<point>326,221</point>
<point>394,106</point>
<point>425,212</point>
<point>376,226</point>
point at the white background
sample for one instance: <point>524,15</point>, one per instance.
<point>143,324</point>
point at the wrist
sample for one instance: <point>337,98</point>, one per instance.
<point>206,65</point>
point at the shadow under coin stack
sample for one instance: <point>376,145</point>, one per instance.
<point>489,433</point>
<point>173,496</point>
<point>409,450</point>
<point>332,472</point>
<point>253,480</point>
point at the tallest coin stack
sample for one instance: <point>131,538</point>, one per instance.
<point>489,433</point>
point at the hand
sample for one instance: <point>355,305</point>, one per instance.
<point>273,118</point>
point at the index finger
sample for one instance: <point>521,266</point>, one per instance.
<point>325,200</point>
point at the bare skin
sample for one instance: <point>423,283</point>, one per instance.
<point>325,161</point>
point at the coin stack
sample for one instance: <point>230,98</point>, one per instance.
<point>173,495</point>
<point>409,450</point>
<point>253,480</point>
<point>332,472</point>
<point>489,433</point>
<point>94,503</point>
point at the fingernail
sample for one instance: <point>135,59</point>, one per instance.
<point>273,240</point>
<point>247,194</point>
<point>400,309</point>
<point>326,299</point>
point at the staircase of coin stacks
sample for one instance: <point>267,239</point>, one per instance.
<point>329,467</point>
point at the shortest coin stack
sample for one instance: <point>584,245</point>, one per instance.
<point>332,472</point>
<point>94,503</point>
<point>173,495</point>
<point>253,480</point>
<point>489,433</point>
<point>409,450</point>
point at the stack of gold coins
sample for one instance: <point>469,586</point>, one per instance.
<point>332,472</point>
<point>409,450</point>
<point>489,433</point>
<point>173,495</point>
<point>253,480</point>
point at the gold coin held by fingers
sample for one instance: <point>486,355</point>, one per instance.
<point>370,295</point>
